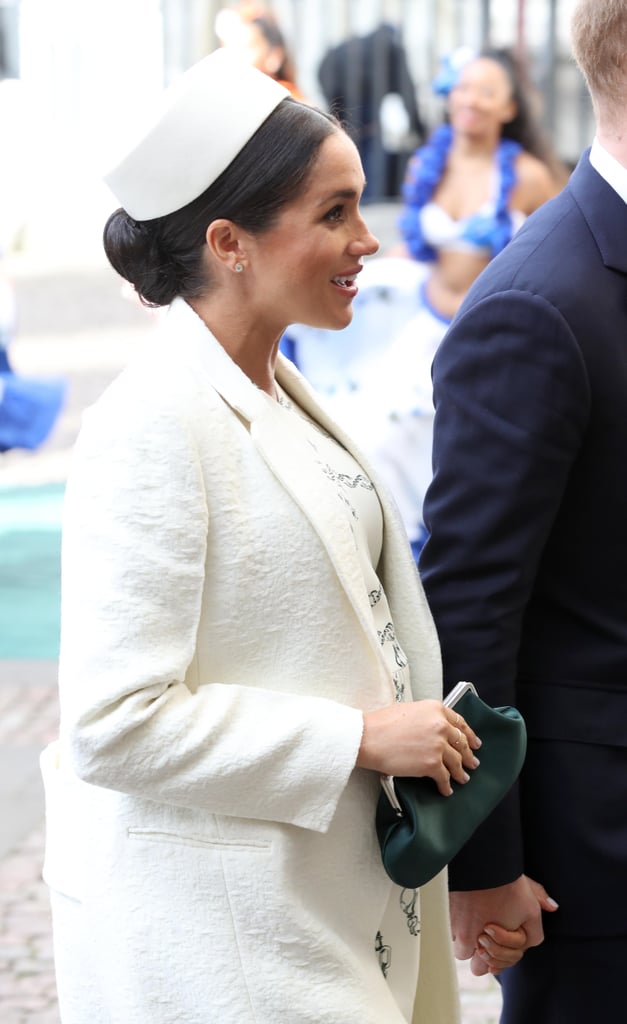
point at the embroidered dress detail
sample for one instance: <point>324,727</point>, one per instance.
<point>384,953</point>
<point>357,495</point>
<point>398,930</point>
<point>399,688</point>
<point>347,481</point>
<point>408,900</point>
<point>387,635</point>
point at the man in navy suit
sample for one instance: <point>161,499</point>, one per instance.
<point>526,564</point>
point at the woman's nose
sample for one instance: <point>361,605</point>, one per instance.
<point>366,243</point>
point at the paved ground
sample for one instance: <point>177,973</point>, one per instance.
<point>72,321</point>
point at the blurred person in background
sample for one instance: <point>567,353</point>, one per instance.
<point>245,645</point>
<point>253,30</point>
<point>525,567</point>
<point>467,191</point>
<point>367,84</point>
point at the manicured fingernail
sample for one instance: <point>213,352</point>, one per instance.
<point>491,932</point>
<point>466,777</point>
<point>551,902</point>
<point>476,762</point>
<point>483,942</point>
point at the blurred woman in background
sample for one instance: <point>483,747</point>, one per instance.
<point>255,32</point>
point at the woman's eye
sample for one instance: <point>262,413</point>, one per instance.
<point>335,213</point>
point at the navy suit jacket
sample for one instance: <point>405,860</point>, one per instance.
<point>525,567</point>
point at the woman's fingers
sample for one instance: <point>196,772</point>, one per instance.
<point>500,948</point>
<point>459,742</point>
<point>454,764</point>
<point>459,722</point>
<point>458,756</point>
<point>419,738</point>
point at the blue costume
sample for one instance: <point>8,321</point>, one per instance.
<point>490,229</point>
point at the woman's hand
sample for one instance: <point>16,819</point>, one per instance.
<point>419,738</point>
<point>500,948</point>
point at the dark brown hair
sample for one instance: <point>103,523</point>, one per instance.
<point>163,257</point>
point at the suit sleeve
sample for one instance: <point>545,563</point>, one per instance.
<point>512,401</point>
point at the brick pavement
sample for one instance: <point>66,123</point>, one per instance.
<point>72,322</point>
<point>28,717</point>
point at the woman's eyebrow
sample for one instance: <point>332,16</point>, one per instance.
<point>344,193</point>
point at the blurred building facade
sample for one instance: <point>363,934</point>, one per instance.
<point>76,75</point>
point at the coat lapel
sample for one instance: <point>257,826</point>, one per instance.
<point>281,451</point>
<point>397,571</point>
<point>604,211</point>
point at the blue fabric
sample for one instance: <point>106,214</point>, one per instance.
<point>29,408</point>
<point>424,173</point>
<point>451,67</point>
<point>287,346</point>
<point>418,544</point>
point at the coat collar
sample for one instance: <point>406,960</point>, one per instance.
<point>603,210</point>
<point>196,345</point>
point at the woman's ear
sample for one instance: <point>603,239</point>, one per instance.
<point>225,243</point>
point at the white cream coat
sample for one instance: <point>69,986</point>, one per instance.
<point>204,810</point>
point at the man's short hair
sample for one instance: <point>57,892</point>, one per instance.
<point>599,45</point>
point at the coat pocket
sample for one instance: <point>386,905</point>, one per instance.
<point>148,835</point>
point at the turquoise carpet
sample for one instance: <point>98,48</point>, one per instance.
<point>30,554</point>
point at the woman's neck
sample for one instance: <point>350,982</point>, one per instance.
<point>470,147</point>
<point>254,353</point>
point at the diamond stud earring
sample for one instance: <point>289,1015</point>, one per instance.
<point>238,268</point>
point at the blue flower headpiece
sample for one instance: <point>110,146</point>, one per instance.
<point>450,68</point>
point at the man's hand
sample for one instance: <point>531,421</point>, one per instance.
<point>516,905</point>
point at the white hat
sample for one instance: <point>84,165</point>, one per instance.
<point>205,119</point>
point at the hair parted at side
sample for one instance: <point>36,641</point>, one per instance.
<point>598,35</point>
<point>163,258</point>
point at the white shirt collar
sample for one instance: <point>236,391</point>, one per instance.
<point>609,168</point>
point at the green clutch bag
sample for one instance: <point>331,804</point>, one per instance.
<point>419,830</point>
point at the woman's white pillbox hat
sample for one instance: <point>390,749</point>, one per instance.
<point>205,119</point>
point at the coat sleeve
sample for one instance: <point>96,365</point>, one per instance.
<point>512,400</point>
<point>137,521</point>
